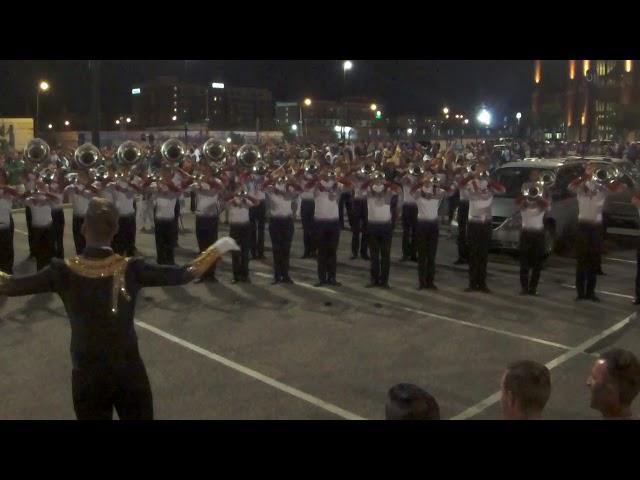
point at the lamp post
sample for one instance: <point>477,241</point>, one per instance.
<point>42,87</point>
<point>346,66</point>
<point>518,117</point>
<point>307,103</point>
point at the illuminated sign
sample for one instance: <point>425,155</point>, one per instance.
<point>217,85</point>
<point>135,91</point>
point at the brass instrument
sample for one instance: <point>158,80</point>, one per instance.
<point>533,190</point>
<point>367,169</point>
<point>311,166</point>
<point>248,155</point>
<point>37,152</point>
<point>215,153</point>
<point>416,170</point>
<point>260,168</point>
<point>129,154</point>
<point>173,151</point>
<point>606,174</point>
<point>87,156</point>
<point>548,178</point>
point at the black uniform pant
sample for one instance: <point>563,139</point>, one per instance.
<point>409,224</point>
<point>327,238</point>
<point>345,202</point>
<point>463,220</point>
<point>379,238</point>
<point>166,238</point>
<point>241,233</point>
<point>206,235</point>
<point>281,232</point>
<point>57,215</point>
<point>176,214</point>
<point>257,217</point>
<point>27,214</point>
<point>589,250</point>
<point>454,201</point>
<point>531,258</point>
<point>78,238</point>
<point>99,388</point>
<point>394,211</point>
<point>124,242</point>
<point>479,238</point>
<point>6,248</point>
<point>427,234</point>
<point>43,246</point>
<point>359,227</point>
<point>307,211</point>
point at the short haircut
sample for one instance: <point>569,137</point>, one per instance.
<point>410,402</point>
<point>101,219</point>
<point>624,369</point>
<point>530,384</point>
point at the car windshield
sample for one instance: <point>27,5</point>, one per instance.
<point>512,178</point>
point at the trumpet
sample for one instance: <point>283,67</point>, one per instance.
<point>416,170</point>
<point>311,166</point>
<point>532,191</point>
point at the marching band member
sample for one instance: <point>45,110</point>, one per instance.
<point>7,196</point>
<point>166,194</point>
<point>99,291</point>
<point>41,202</point>
<point>428,197</point>
<point>532,236</point>
<point>409,215</point>
<point>326,192</point>
<point>29,179</point>
<point>207,192</point>
<point>307,209</point>
<point>480,190</point>
<point>57,212</point>
<point>635,199</point>
<point>280,193</point>
<point>238,205</point>
<point>359,214</point>
<point>81,194</point>
<point>379,194</point>
<point>460,174</point>
<point>257,215</point>
<point>591,198</point>
<point>122,192</point>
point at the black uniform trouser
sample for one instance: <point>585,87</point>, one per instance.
<point>98,388</point>
<point>359,227</point>
<point>345,201</point>
<point>307,211</point>
<point>281,232</point>
<point>379,238</point>
<point>57,215</point>
<point>463,220</point>
<point>427,246</point>
<point>78,238</point>
<point>589,250</point>
<point>531,258</point>
<point>27,213</point>
<point>638,270</point>
<point>241,233</point>
<point>43,246</point>
<point>6,248</point>
<point>124,242</point>
<point>176,214</point>
<point>409,224</point>
<point>479,238</point>
<point>327,238</point>
<point>257,217</point>
<point>394,211</point>
<point>166,238</point>
<point>206,235</point>
<point>454,201</point>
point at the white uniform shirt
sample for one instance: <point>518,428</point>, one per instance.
<point>591,204</point>
<point>206,202</point>
<point>327,205</point>
<point>6,202</point>
<point>80,198</point>
<point>533,218</point>
<point>378,206</point>
<point>428,206</point>
<point>123,200</point>
<point>165,202</point>
<point>306,193</point>
<point>255,189</point>
<point>40,214</point>
<point>54,189</point>
<point>238,215</point>
<point>408,182</point>
<point>279,204</point>
<point>359,194</point>
<point>480,200</point>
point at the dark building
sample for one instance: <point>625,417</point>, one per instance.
<point>583,100</point>
<point>167,102</point>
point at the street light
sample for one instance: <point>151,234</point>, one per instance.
<point>43,86</point>
<point>174,118</point>
<point>50,126</point>
<point>66,123</point>
<point>347,65</point>
<point>294,127</point>
<point>128,119</point>
<point>228,139</point>
<point>307,102</point>
<point>445,110</point>
<point>518,116</point>
<point>373,107</point>
<point>466,121</point>
<point>117,122</point>
<point>484,117</point>
<point>409,131</point>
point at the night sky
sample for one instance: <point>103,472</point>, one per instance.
<point>404,86</point>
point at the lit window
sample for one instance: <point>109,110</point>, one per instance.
<point>627,65</point>
<point>585,67</point>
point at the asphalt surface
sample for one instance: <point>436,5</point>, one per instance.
<point>257,351</point>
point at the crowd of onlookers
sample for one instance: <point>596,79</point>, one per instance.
<point>614,383</point>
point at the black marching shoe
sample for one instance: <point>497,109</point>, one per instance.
<point>580,297</point>
<point>365,257</point>
<point>533,292</point>
<point>431,286</point>
<point>484,289</point>
<point>319,283</point>
<point>274,281</point>
<point>333,282</point>
<point>414,259</point>
<point>524,292</point>
<point>287,279</point>
<point>593,298</point>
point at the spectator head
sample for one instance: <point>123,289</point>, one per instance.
<point>614,382</point>
<point>526,387</point>
<point>409,402</point>
<point>100,222</point>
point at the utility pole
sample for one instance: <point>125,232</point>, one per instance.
<point>94,69</point>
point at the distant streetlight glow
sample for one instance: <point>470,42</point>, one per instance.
<point>373,107</point>
<point>66,123</point>
<point>347,65</point>
<point>409,131</point>
<point>518,115</point>
<point>307,102</point>
<point>44,86</point>
<point>445,110</point>
<point>294,127</point>
<point>217,85</point>
<point>174,118</point>
<point>117,122</point>
<point>128,119</point>
<point>484,117</point>
<point>50,126</point>
<point>466,121</point>
<point>228,139</point>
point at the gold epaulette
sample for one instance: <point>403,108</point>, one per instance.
<point>203,262</point>
<point>113,266</point>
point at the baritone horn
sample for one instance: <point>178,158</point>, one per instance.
<point>173,151</point>
<point>215,153</point>
<point>86,156</point>
<point>37,151</point>
<point>248,155</point>
<point>129,154</point>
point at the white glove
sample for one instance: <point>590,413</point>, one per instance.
<point>226,244</point>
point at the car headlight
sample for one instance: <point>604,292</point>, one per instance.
<point>514,223</point>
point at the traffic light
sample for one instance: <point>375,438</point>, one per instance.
<point>378,115</point>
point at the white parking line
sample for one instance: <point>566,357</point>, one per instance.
<point>620,260</point>
<point>329,407</point>
<point>614,294</point>
<point>489,401</point>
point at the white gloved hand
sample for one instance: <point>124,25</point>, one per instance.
<point>226,244</point>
